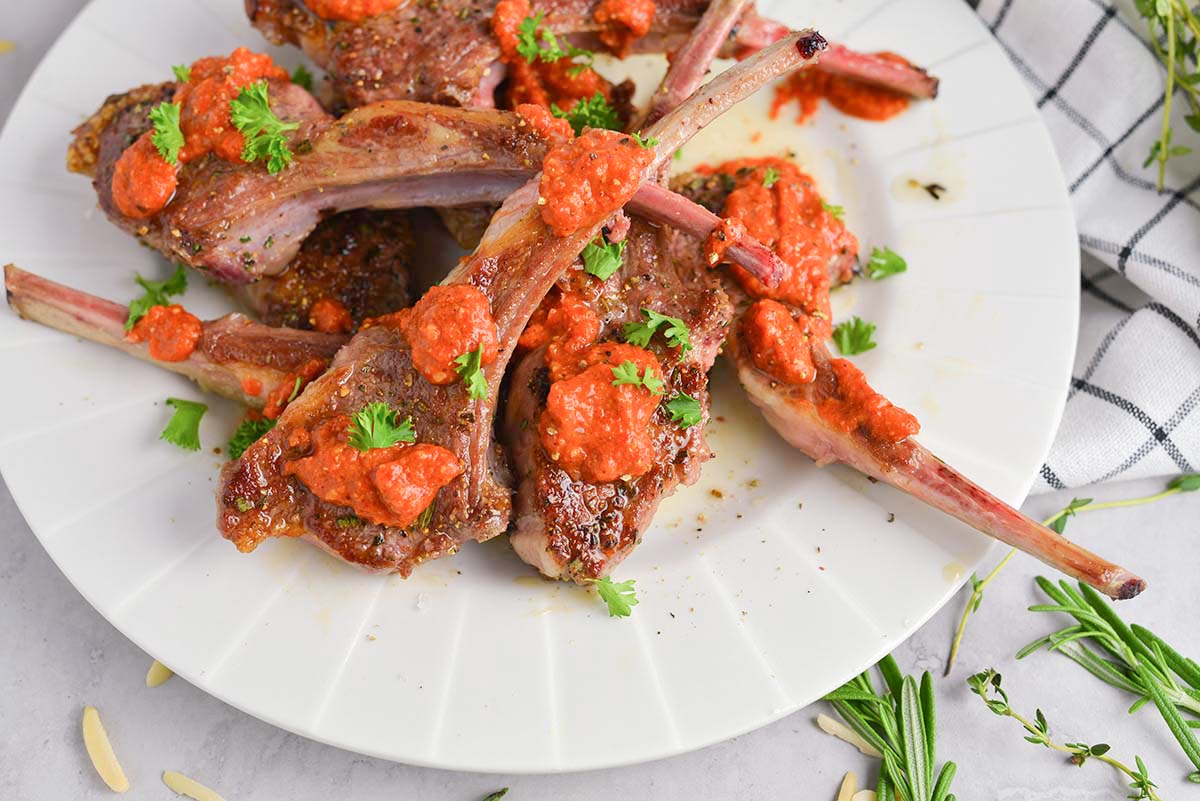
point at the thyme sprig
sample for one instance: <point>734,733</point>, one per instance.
<point>1174,34</point>
<point>987,686</point>
<point>1058,521</point>
<point>1130,658</point>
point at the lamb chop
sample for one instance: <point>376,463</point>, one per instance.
<point>526,249</point>
<point>236,358</point>
<point>445,52</point>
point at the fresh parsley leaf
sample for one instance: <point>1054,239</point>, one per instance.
<point>885,262</point>
<point>1059,523</point>
<point>531,46</point>
<point>264,132</point>
<point>1185,483</point>
<point>167,137</point>
<point>837,211</point>
<point>470,367</point>
<point>591,113</point>
<point>302,77</point>
<point>685,410</point>
<point>247,433</point>
<point>627,373</point>
<point>677,333</point>
<point>644,144</point>
<point>377,425</point>
<point>157,293</point>
<point>619,596</point>
<point>771,177</point>
<point>183,73</point>
<point>854,336</point>
<point>602,258</point>
<point>496,796</point>
<point>183,429</point>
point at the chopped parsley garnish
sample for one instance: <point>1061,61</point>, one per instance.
<point>619,596</point>
<point>884,263</point>
<point>348,521</point>
<point>837,211</point>
<point>158,293</point>
<point>627,373</point>
<point>677,334</point>
<point>248,433</point>
<point>183,429</point>
<point>854,336</point>
<point>602,258</point>
<point>593,113</point>
<point>167,137</point>
<point>302,77</point>
<point>469,366</point>
<point>496,796</point>
<point>771,177</point>
<point>378,426</point>
<point>183,73</point>
<point>545,46</point>
<point>685,410</point>
<point>644,144</point>
<point>264,132</point>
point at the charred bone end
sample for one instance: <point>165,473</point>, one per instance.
<point>811,43</point>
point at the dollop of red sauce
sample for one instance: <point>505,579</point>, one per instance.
<point>541,82</point>
<point>852,97</point>
<point>553,129</point>
<point>566,325</point>
<point>445,323</point>
<point>330,316</point>
<point>588,178</point>
<point>143,182</point>
<point>790,218</point>
<point>725,235</point>
<point>350,10</point>
<point>172,332</point>
<point>291,386</point>
<point>623,22</point>
<point>779,345</point>
<point>857,406</point>
<point>593,430</point>
<point>388,486</point>
<point>252,386</point>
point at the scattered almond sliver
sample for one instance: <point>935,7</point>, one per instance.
<point>158,674</point>
<point>100,751</point>
<point>190,787</point>
<point>864,795</point>
<point>846,734</point>
<point>849,786</point>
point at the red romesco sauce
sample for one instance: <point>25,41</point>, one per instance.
<point>349,10</point>
<point>544,124</point>
<point>541,82</point>
<point>330,316</point>
<point>171,331</point>
<point>252,386</point>
<point>779,345</point>
<point>851,97</point>
<point>726,234</point>
<point>143,182</point>
<point>593,430</point>
<point>623,22</point>
<point>588,178</point>
<point>566,324</point>
<point>290,387</point>
<point>788,217</point>
<point>857,406</point>
<point>445,323</point>
<point>388,486</point>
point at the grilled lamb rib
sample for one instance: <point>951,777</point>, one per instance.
<point>515,266</point>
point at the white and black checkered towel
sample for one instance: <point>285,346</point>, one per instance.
<point>1132,410</point>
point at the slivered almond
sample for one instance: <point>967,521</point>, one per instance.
<point>100,751</point>
<point>190,787</point>
<point>849,786</point>
<point>864,795</point>
<point>157,674</point>
<point>846,734</point>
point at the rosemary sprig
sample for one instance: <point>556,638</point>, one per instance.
<point>987,686</point>
<point>1058,522</point>
<point>1174,35</point>
<point>1129,658</point>
<point>900,724</point>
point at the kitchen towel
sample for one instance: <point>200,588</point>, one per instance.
<point>1132,408</point>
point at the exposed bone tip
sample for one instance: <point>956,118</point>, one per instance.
<point>811,43</point>
<point>1130,588</point>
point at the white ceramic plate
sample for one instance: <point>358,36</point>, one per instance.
<point>753,603</point>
